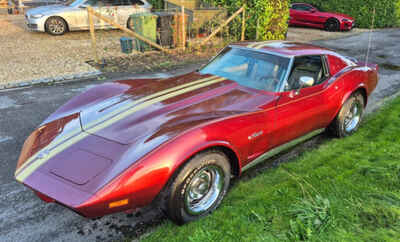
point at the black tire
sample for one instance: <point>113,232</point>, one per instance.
<point>56,26</point>
<point>199,187</point>
<point>349,117</point>
<point>332,25</point>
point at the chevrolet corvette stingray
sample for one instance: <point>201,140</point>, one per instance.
<point>178,141</point>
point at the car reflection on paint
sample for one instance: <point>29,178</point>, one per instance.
<point>176,142</point>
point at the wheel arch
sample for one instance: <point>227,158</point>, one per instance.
<point>222,146</point>
<point>362,90</point>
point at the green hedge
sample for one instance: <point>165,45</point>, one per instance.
<point>387,11</point>
<point>272,18</point>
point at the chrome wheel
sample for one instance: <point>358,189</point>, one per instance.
<point>204,189</point>
<point>353,117</point>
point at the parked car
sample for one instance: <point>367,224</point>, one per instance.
<point>303,14</point>
<point>177,142</point>
<point>72,15</point>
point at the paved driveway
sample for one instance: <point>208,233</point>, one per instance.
<point>24,218</point>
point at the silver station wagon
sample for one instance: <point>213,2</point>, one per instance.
<point>72,15</point>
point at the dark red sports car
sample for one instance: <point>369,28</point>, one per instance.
<point>178,141</point>
<point>303,14</point>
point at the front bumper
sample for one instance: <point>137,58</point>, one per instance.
<point>35,24</point>
<point>348,25</point>
<point>50,189</point>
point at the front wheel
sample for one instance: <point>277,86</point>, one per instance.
<point>56,26</point>
<point>350,115</point>
<point>199,187</point>
<point>332,25</point>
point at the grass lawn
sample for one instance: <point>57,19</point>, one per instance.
<point>345,190</point>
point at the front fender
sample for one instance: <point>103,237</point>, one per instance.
<point>144,180</point>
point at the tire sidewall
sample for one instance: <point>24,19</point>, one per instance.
<point>176,203</point>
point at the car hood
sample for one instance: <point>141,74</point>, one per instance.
<point>102,132</point>
<point>49,10</point>
<point>161,109</point>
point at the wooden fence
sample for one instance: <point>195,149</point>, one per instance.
<point>183,32</point>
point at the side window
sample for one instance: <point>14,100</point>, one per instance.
<point>92,3</point>
<point>311,66</point>
<point>109,3</point>
<point>136,2</point>
<point>302,7</point>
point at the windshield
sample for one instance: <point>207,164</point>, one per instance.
<point>249,68</point>
<point>74,3</point>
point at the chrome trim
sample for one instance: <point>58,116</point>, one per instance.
<point>281,148</point>
<point>282,84</point>
<point>260,51</point>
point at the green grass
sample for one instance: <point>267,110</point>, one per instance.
<point>345,190</point>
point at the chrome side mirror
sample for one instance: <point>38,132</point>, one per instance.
<point>306,81</point>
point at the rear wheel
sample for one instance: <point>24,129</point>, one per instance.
<point>349,118</point>
<point>56,26</point>
<point>199,187</point>
<point>332,25</point>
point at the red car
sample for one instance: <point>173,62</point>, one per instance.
<point>303,14</point>
<point>177,142</point>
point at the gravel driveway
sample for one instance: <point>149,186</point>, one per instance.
<point>26,55</point>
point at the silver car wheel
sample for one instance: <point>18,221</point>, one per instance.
<point>56,26</point>
<point>353,117</point>
<point>204,189</point>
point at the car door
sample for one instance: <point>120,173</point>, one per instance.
<point>303,109</point>
<point>129,7</point>
<point>108,9</point>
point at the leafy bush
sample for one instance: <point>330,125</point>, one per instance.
<point>265,19</point>
<point>387,11</point>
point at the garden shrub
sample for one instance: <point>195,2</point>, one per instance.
<point>267,17</point>
<point>387,11</point>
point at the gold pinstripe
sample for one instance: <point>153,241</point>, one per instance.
<point>144,99</point>
<point>35,165</point>
<point>115,112</point>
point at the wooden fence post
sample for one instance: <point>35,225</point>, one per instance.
<point>222,25</point>
<point>92,35</point>
<point>243,24</point>
<point>183,27</point>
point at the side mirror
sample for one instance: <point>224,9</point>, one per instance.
<point>306,81</point>
<point>313,10</point>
